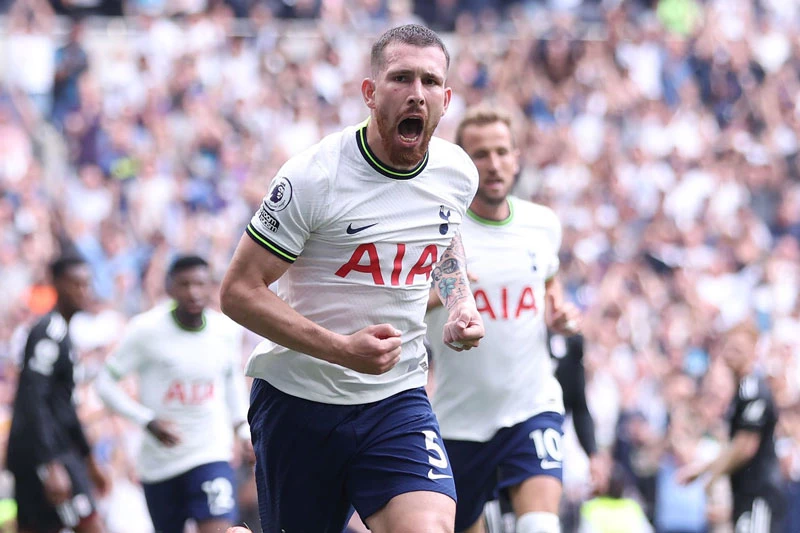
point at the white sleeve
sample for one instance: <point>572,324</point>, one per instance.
<point>126,359</point>
<point>554,235</point>
<point>290,209</point>
<point>129,354</point>
<point>119,401</point>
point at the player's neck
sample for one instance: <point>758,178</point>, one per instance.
<point>743,371</point>
<point>189,321</point>
<point>375,145</point>
<point>491,211</point>
<point>65,311</point>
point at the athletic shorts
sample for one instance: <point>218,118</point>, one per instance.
<point>35,513</point>
<point>206,492</point>
<point>514,454</point>
<point>316,461</point>
<point>759,513</point>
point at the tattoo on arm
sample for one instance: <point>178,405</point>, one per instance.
<point>450,274</point>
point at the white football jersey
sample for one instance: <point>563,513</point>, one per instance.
<point>362,239</point>
<point>186,377</point>
<point>509,377</point>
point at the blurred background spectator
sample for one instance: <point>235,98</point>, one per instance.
<point>665,134</point>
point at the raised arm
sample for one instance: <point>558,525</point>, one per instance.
<point>464,327</point>
<point>246,298</point>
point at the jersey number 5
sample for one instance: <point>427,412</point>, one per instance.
<point>437,457</point>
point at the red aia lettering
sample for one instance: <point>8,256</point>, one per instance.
<point>398,264</point>
<point>194,393</point>
<point>483,304</point>
<point>525,302</point>
<point>422,267</point>
<point>374,266</point>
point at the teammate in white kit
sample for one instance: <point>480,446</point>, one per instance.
<point>353,229</point>
<point>192,401</point>
<point>499,406</point>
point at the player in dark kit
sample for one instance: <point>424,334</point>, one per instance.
<point>48,453</point>
<point>568,351</point>
<point>749,459</point>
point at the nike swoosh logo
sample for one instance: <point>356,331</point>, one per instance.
<point>435,476</point>
<point>352,231</point>
<point>549,465</point>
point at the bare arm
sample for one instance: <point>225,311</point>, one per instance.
<point>450,275</point>
<point>246,298</point>
<point>464,327</point>
<point>741,449</point>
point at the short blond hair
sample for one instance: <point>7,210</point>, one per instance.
<point>481,116</point>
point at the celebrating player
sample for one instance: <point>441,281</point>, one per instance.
<point>191,400</point>
<point>48,453</point>
<point>499,406</point>
<point>353,229</point>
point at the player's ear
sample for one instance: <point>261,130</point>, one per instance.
<point>448,93</point>
<point>368,92</point>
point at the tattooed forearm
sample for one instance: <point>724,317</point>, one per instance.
<point>450,274</point>
<point>450,266</point>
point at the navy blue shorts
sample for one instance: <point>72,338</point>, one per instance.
<point>206,492</point>
<point>314,460</point>
<point>483,469</point>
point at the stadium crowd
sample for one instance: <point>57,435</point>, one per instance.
<point>664,134</point>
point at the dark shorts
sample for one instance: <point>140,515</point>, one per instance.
<point>35,513</point>
<point>206,492</point>
<point>483,469</point>
<point>316,461</point>
<point>759,513</point>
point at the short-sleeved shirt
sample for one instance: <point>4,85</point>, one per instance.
<point>509,377</point>
<point>362,238</point>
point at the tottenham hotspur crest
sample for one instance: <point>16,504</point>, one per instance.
<point>445,227</point>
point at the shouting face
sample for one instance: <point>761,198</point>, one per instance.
<point>407,99</point>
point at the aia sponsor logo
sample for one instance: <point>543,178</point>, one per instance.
<point>504,304</point>
<point>404,270</point>
<point>189,392</point>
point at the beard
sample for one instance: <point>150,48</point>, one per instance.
<point>491,198</point>
<point>402,156</point>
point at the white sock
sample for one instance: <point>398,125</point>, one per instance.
<point>538,523</point>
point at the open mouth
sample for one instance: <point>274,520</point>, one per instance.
<point>410,129</point>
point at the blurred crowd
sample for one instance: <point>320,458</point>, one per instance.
<point>665,134</point>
